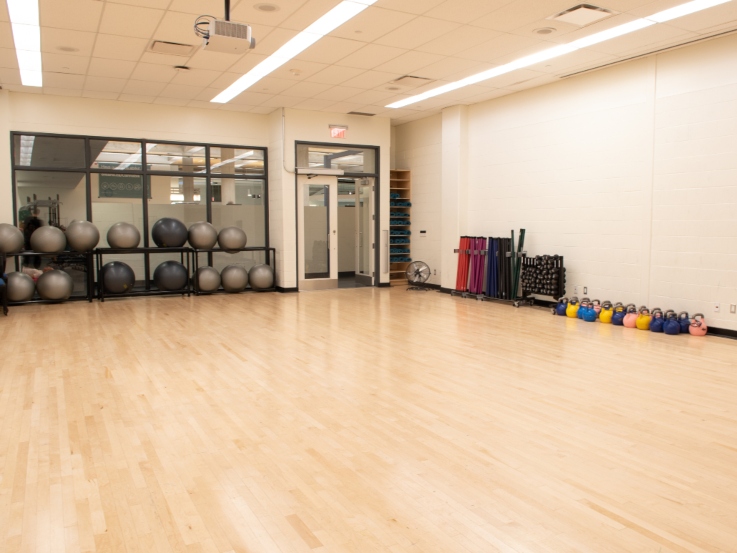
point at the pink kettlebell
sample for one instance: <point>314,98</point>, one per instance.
<point>697,326</point>
<point>630,319</point>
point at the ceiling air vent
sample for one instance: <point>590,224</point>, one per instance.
<point>171,48</point>
<point>410,81</point>
<point>582,15</point>
<point>361,113</point>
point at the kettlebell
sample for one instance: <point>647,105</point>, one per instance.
<point>590,313</point>
<point>582,309</point>
<point>560,309</point>
<point>684,321</point>
<point>607,310</point>
<point>630,318</point>
<point>572,308</point>
<point>596,304</point>
<point>619,313</point>
<point>671,325</point>
<point>656,323</point>
<point>698,325</point>
<point>643,319</point>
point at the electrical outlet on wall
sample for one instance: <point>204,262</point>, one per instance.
<point>717,308</point>
<point>585,290</point>
<point>733,308</point>
<point>575,290</point>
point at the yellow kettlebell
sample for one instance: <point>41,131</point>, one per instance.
<point>607,310</point>
<point>572,309</point>
<point>643,319</point>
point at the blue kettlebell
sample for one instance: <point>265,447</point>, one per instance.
<point>585,305</point>
<point>560,309</point>
<point>671,325</point>
<point>590,314</point>
<point>656,324</point>
<point>685,321</point>
<point>619,312</point>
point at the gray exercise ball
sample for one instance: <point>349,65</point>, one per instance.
<point>118,277</point>
<point>234,278</point>
<point>11,239</point>
<point>261,277</point>
<point>82,236</point>
<point>20,287</point>
<point>208,279</point>
<point>202,236</point>
<point>168,232</point>
<point>232,238</point>
<point>170,275</point>
<point>123,236</point>
<point>48,240</point>
<point>55,285</point>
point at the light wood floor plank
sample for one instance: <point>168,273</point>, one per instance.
<point>364,420</point>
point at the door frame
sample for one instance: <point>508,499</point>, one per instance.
<point>377,204</point>
<point>319,281</point>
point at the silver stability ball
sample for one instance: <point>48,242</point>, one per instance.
<point>232,238</point>
<point>82,236</point>
<point>48,240</point>
<point>123,236</point>
<point>11,239</point>
<point>55,285</point>
<point>234,278</point>
<point>20,287</point>
<point>202,236</point>
<point>208,279</point>
<point>261,277</point>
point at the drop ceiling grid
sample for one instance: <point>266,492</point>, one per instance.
<point>350,69</point>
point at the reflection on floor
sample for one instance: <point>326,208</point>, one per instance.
<point>348,280</point>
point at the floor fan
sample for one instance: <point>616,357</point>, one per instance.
<point>418,272</point>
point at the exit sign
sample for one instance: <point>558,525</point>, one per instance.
<point>338,131</point>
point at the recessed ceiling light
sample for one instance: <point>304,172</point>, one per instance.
<point>544,30</point>
<point>67,49</point>
<point>267,7</point>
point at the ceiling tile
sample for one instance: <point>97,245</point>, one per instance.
<point>181,91</point>
<point>308,13</point>
<point>153,72</point>
<point>645,39</point>
<point>516,14</point>
<point>8,58</point>
<point>235,107</point>
<point>371,96</point>
<point>417,32</point>
<point>272,85</point>
<point>104,84</point>
<point>65,63</point>
<point>171,101</point>
<point>195,77</point>
<point>371,56</point>
<point>306,89</point>
<point>136,98</point>
<point>199,104</point>
<point>100,94</point>
<point>199,7</point>
<point>342,107</point>
<point>273,41</point>
<point>713,17</point>
<point>129,21</point>
<point>177,27</point>
<point>338,93</point>
<point>443,69</point>
<point>498,46</point>
<point>51,91</point>
<point>372,24</point>
<point>409,63</point>
<point>163,59</point>
<point>59,40</point>
<point>6,35</point>
<point>458,40</point>
<point>225,80</point>
<point>282,101</point>
<point>110,68</point>
<point>78,15</point>
<point>143,88</point>
<point>9,76</point>
<point>62,80</point>
<point>371,79</point>
<point>119,47</point>
<point>314,104</point>
<point>330,50</point>
<point>465,11</point>
<point>245,11</point>
<point>21,88</point>
<point>4,12</point>
<point>251,98</point>
<point>262,110</point>
<point>335,74</point>
<point>246,63</point>
<point>160,4</point>
<point>213,60</point>
<point>298,70</point>
<point>409,6</point>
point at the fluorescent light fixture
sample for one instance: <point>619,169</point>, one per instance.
<point>27,38</point>
<point>232,160</point>
<point>596,38</point>
<point>134,158</point>
<point>684,9</point>
<point>333,19</point>
<point>26,149</point>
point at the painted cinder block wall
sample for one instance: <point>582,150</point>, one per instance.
<point>630,172</point>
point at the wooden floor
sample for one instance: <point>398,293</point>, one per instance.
<point>360,420</point>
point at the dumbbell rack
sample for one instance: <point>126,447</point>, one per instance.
<point>532,263</point>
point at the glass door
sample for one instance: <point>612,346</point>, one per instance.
<point>318,237</point>
<point>364,231</point>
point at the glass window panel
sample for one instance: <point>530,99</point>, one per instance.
<point>180,158</point>
<point>110,208</point>
<point>115,155</point>
<point>316,231</point>
<point>49,151</point>
<point>350,160</point>
<point>182,198</point>
<point>236,161</point>
<point>240,203</point>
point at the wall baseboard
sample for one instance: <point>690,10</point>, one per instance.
<point>286,290</point>
<point>385,285</point>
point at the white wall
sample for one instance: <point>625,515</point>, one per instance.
<point>629,172</point>
<point>418,147</point>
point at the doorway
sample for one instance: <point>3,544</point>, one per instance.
<point>334,218</point>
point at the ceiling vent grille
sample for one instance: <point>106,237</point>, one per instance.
<point>410,81</point>
<point>361,113</point>
<point>171,48</point>
<point>582,15</point>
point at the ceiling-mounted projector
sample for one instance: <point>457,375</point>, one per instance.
<point>223,35</point>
